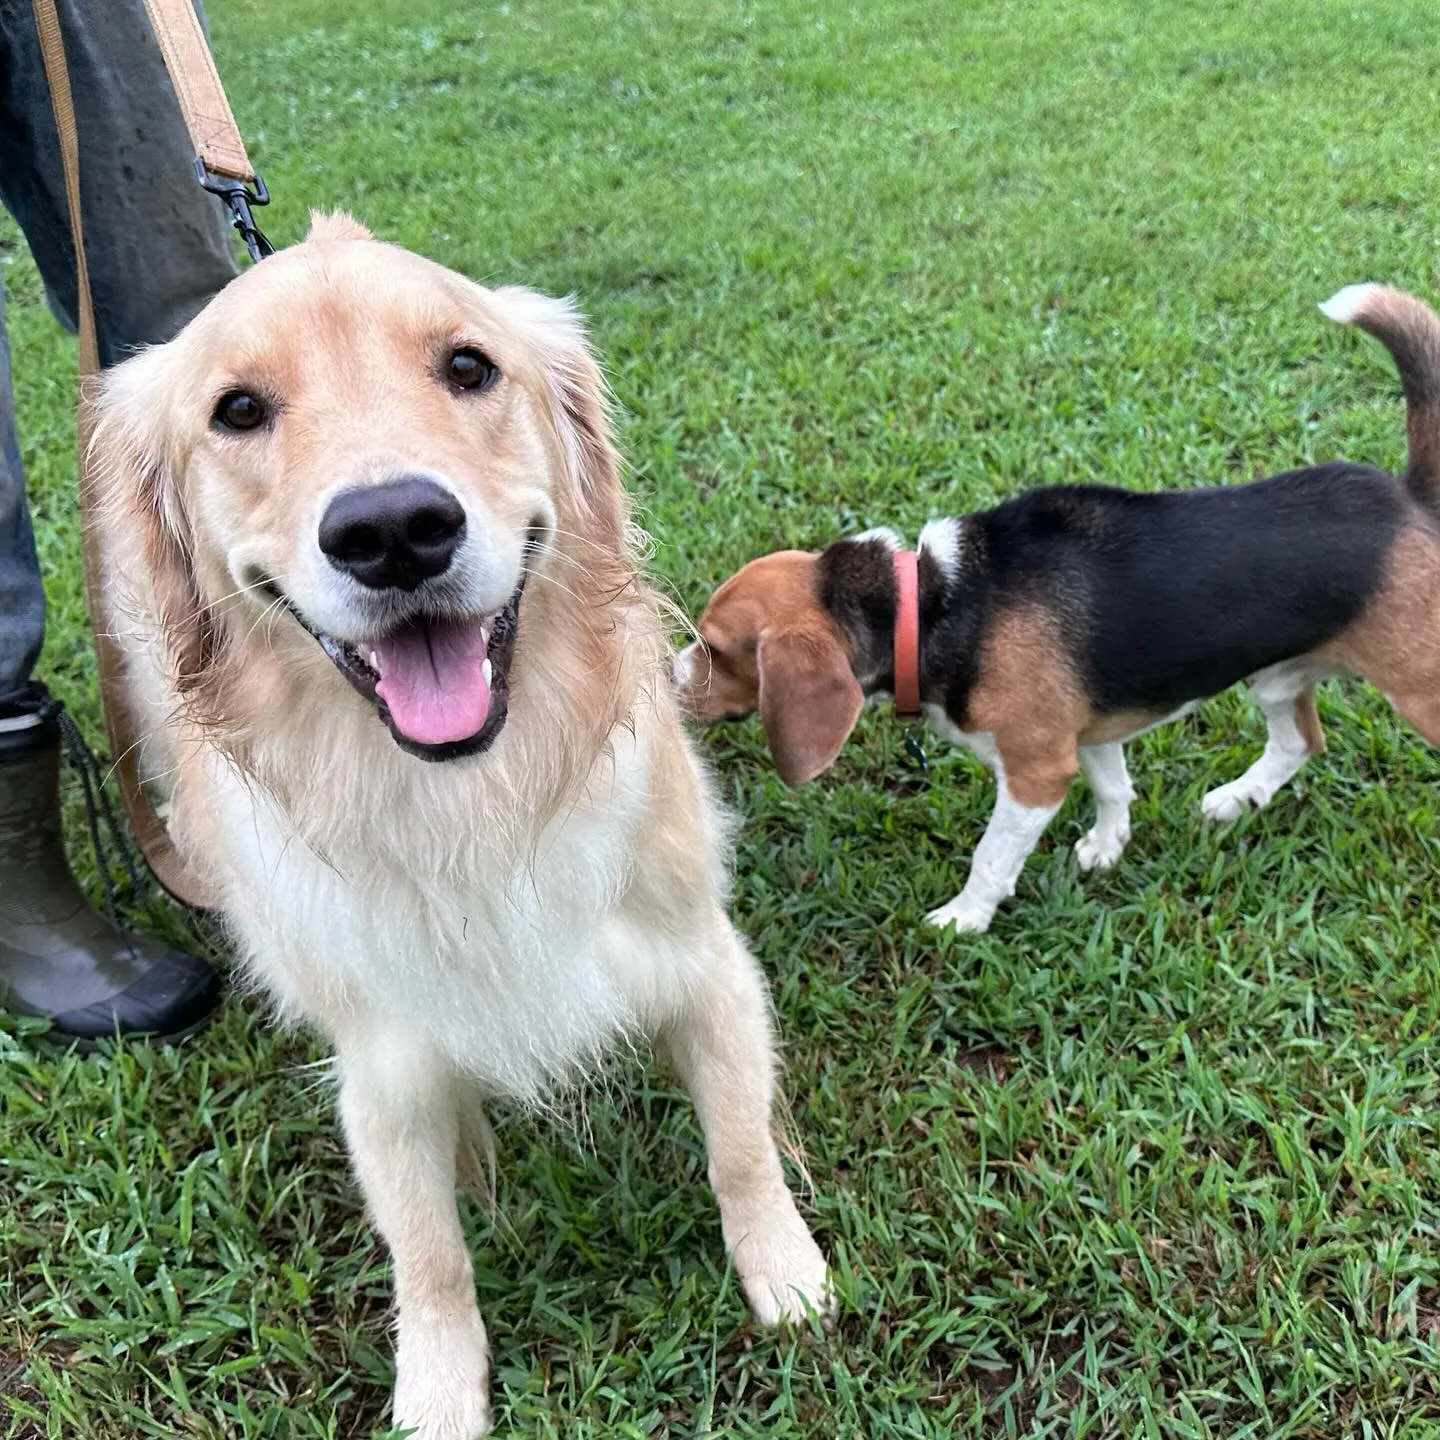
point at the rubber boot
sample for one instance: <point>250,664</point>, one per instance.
<point>59,957</point>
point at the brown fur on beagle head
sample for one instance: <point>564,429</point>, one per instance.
<point>769,644</point>
<point>1071,617</point>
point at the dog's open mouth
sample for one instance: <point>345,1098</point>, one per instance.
<point>440,683</point>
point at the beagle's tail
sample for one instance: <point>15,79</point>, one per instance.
<point>1410,330</point>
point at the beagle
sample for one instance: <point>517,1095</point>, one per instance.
<point>1046,632</point>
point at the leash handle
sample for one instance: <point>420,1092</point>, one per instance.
<point>222,164</point>
<point>907,633</point>
<point>208,117</point>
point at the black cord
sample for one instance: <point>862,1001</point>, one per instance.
<point>98,807</point>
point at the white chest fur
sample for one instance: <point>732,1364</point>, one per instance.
<point>515,961</point>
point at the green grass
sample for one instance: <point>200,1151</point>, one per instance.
<point>1157,1156</point>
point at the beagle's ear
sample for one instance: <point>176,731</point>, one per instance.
<point>809,698</point>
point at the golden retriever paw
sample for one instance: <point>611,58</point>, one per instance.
<point>783,1273</point>
<point>442,1380</point>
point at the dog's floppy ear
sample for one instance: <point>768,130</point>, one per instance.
<point>129,463</point>
<point>578,398</point>
<point>809,697</point>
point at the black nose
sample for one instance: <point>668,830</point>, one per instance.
<point>393,536</point>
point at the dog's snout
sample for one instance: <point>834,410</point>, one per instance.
<point>393,536</point>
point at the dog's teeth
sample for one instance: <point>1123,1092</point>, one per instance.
<point>486,671</point>
<point>372,660</point>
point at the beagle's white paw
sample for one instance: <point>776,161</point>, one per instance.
<point>964,914</point>
<point>1100,849</point>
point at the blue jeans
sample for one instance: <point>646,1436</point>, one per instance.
<point>157,244</point>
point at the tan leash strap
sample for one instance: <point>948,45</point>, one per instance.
<point>57,73</point>
<point>150,834</point>
<point>221,162</point>
<point>211,122</point>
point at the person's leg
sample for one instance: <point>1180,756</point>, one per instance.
<point>157,244</point>
<point>158,248</point>
<point>22,596</point>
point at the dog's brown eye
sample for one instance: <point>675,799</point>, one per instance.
<point>470,370</point>
<point>240,410</point>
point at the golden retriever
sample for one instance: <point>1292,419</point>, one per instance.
<point>365,548</point>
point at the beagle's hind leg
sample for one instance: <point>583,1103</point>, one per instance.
<point>1286,695</point>
<point>1029,790</point>
<point>1422,712</point>
<point>1103,844</point>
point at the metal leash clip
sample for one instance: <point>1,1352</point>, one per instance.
<point>239,198</point>
<point>915,751</point>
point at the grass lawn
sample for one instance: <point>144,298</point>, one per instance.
<point>1157,1156</point>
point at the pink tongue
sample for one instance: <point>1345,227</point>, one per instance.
<point>430,679</point>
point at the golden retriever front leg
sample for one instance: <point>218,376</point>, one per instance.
<point>720,1042</point>
<point>400,1108</point>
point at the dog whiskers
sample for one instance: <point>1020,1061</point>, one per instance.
<point>265,616</point>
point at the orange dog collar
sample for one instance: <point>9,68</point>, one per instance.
<point>907,633</point>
